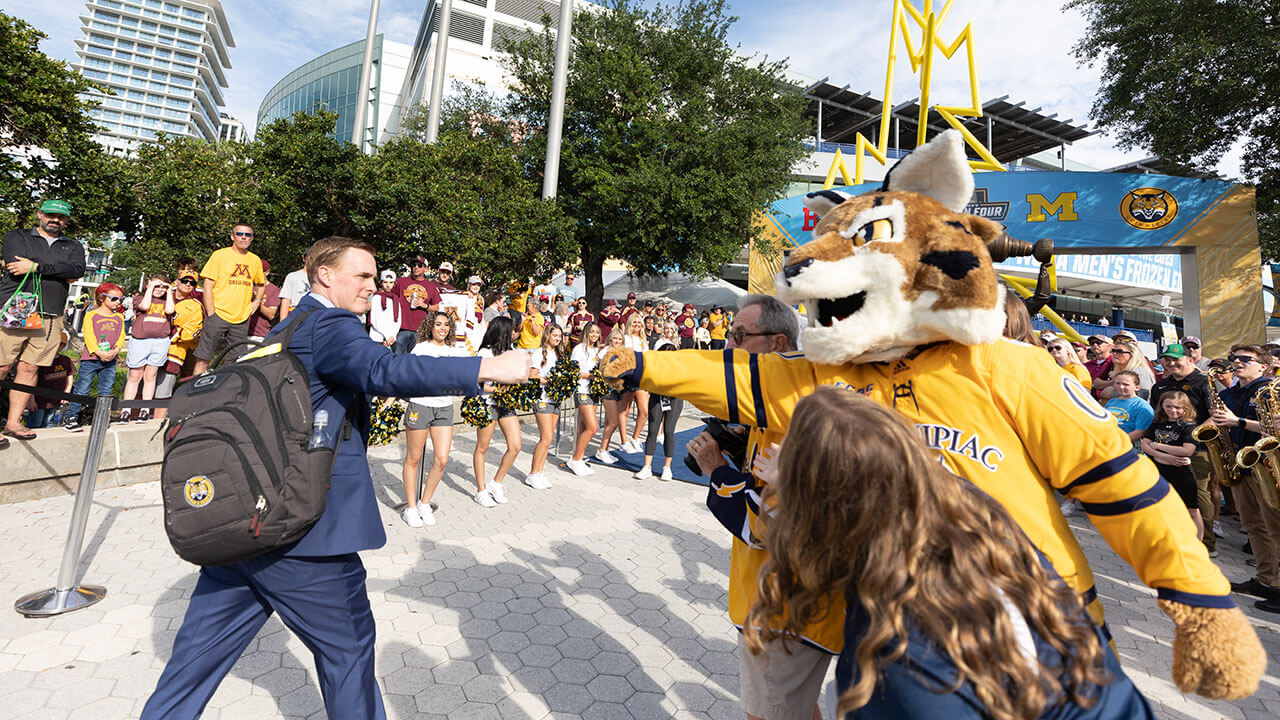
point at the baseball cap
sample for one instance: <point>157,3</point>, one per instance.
<point>1124,335</point>
<point>56,207</point>
<point>266,267</point>
<point>1047,336</point>
<point>631,296</point>
<point>1174,351</point>
<point>420,260</point>
<point>1099,338</point>
<point>612,303</point>
<point>446,265</point>
<point>688,306</point>
<point>1191,340</point>
<point>1218,364</point>
<point>474,280</point>
<point>388,275</point>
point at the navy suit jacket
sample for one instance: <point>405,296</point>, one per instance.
<point>345,366</point>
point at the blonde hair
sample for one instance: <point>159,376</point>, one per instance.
<point>1135,356</point>
<point>639,321</point>
<point>1179,397</point>
<point>947,564</point>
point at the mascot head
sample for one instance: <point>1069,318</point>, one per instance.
<point>898,267</point>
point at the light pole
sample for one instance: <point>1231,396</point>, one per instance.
<point>437,71</point>
<point>555,122</point>
<point>366,79</point>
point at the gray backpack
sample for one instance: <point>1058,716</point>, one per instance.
<point>239,479</point>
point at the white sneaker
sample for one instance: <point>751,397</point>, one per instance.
<point>606,457</point>
<point>643,473</point>
<point>578,467</point>
<point>1217,530</point>
<point>538,481</point>
<point>635,446</point>
<point>666,473</point>
<point>412,518</point>
<point>497,493</point>
<point>484,498</point>
<point>428,515</point>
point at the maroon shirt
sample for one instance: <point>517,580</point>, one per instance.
<point>150,321</point>
<point>407,288</point>
<point>259,325</point>
<point>54,377</point>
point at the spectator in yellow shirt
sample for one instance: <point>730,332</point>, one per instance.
<point>233,286</point>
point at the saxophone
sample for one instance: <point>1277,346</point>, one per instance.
<point>1217,442</point>
<point>1264,456</point>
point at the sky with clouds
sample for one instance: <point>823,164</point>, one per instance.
<point>1023,49</point>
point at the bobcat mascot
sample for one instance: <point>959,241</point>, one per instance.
<point>904,307</point>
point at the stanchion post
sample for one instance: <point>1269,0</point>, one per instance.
<point>67,595</point>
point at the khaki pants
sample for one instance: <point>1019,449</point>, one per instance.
<point>1262,522</point>
<point>1203,470</point>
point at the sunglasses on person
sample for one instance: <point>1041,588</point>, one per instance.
<point>1056,348</point>
<point>1118,351</point>
<point>241,233</point>
<point>186,281</point>
<point>1244,359</point>
<point>740,335</point>
<point>113,298</point>
<point>1193,346</point>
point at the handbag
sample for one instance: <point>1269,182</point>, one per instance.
<point>22,310</point>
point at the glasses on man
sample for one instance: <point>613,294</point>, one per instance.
<point>1191,346</point>
<point>241,233</point>
<point>1244,359</point>
<point>740,335</point>
<point>186,281</point>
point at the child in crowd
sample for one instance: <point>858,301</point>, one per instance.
<point>1169,444</point>
<point>188,321</point>
<point>148,342</point>
<point>965,621</point>
<point>547,411</point>
<point>498,338</point>
<point>1132,412</point>
<point>60,376</point>
<point>430,416</point>
<point>103,333</point>
<point>587,355</point>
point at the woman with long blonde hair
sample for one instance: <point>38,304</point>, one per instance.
<point>951,612</point>
<point>1126,355</point>
<point>634,339</point>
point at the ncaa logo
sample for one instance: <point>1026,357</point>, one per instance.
<point>1148,208</point>
<point>199,491</point>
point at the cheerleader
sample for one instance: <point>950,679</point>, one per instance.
<point>586,354</point>
<point>663,414</point>
<point>613,408</point>
<point>498,338</point>
<point>547,411</point>
<point>951,612</point>
<point>634,339</point>
<point>428,416</point>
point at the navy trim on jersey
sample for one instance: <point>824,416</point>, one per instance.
<point>1104,471</point>
<point>1195,599</point>
<point>730,388</point>
<point>636,374</point>
<point>757,393</point>
<point>1142,500</point>
<point>1089,595</point>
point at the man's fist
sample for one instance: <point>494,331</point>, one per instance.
<point>617,365</point>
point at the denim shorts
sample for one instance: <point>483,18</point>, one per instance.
<point>147,351</point>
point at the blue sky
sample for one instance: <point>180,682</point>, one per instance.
<point>1023,48</point>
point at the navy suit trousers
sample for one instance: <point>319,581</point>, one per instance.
<point>321,599</point>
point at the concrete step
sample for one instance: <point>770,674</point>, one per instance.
<point>50,464</point>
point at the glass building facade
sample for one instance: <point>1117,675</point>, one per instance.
<point>330,82</point>
<point>164,63</point>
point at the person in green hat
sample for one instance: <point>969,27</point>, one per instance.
<point>48,262</point>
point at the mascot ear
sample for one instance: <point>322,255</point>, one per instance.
<point>938,169</point>
<point>989,232</point>
<point>822,201</point>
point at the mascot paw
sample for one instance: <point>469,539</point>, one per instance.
<point>617,365</point>
<point>1216,652</point>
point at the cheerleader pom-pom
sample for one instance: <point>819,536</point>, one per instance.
<point>520,398</point>
<point>563,380</point>
<point>384,420</point>
<point>598,387</point>
<point>475,412</point>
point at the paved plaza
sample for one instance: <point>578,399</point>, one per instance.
<point>603,597</point>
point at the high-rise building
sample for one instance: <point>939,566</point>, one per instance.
<point>165,62</point>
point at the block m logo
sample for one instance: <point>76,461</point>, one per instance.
<point>1063,207</point>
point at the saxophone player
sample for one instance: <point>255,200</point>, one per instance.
<point>1261,521</point>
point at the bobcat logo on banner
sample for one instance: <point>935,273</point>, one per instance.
<point>1148,208</point>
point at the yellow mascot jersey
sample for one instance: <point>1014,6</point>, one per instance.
<point>1003,415</point>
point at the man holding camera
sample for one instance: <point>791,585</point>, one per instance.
<point>775,684</point>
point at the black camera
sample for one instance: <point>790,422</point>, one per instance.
<point>732,443</point>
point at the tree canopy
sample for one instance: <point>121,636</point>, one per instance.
<point>672,141</point>
<point>1187,80</point>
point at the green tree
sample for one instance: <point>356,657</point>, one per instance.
<point>462,199</point>
<point>48,133</point>
<point>672,141</point>
<point>1187,80</point>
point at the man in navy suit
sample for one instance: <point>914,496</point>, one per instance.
<point>318,584</point>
